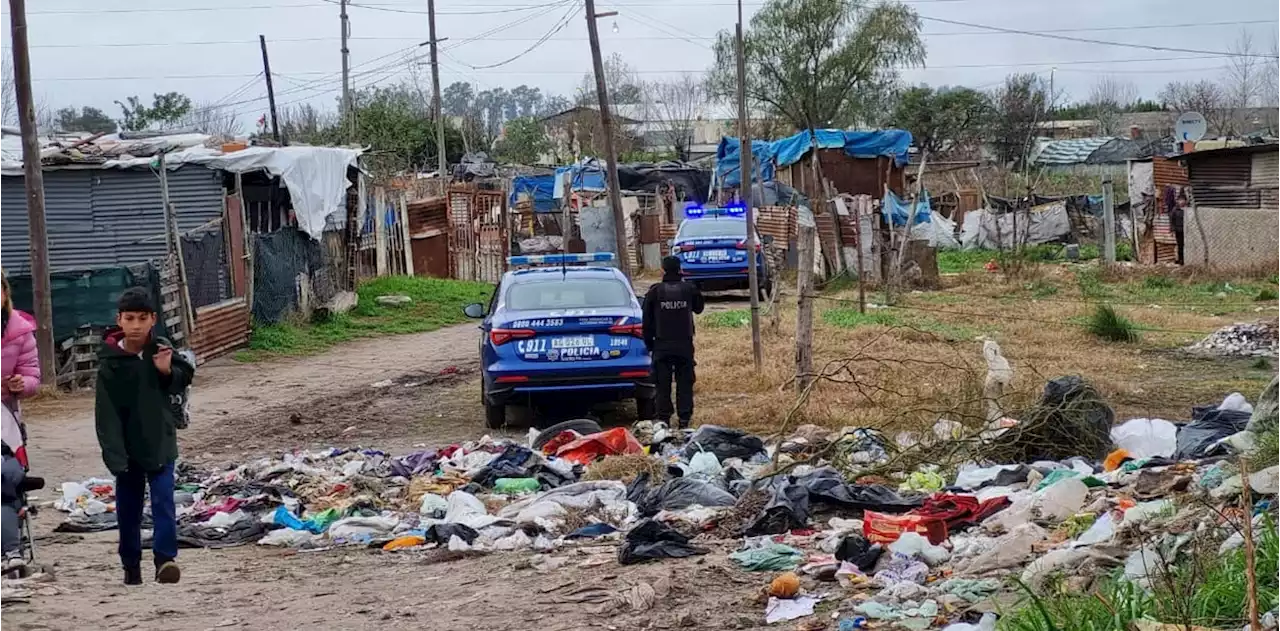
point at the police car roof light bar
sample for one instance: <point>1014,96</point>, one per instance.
<point>560,259</point>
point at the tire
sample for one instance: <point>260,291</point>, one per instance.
<point>495,416</point>
<point>583,426</point>
<point>646,409</point>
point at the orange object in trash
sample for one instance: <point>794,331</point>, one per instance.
<point>786,585</point>
<point>229,147</point>
<point>1115,459</point>
<point>592,447</point>
<point>882,528</point>
<point>407,541</point>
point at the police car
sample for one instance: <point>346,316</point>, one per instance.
<point>712,246</point>
<point>558,331</point>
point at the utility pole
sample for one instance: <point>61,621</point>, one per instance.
<point>271,93</point>
<point>745,193</point>
<point>606,123</point>
<point>804,307</point>
<point>436,108</point>
<point>346,73</point>
<point>33,176</point>
<point>1108,221</point>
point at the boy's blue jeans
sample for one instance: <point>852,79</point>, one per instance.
<point>130,489</point>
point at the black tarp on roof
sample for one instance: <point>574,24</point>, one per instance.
<point>691,182</point>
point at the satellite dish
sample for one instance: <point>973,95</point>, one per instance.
<point>1190,126</point>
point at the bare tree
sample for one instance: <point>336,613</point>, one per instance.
<point>675,106</point>
<point>9,111</point>
<point>1242,81</point>
<point>1205,97</point>
<point>208,118</point>
<point>1268,90</point>
<point>1108,99</point>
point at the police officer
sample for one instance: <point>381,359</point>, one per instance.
<point>668,334</point>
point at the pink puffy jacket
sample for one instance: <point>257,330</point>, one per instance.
<point>18,350</point>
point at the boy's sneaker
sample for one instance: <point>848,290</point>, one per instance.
<point>133,575</point>
<point>168,572</point>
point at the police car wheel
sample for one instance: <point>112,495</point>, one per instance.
<point>495,416</point>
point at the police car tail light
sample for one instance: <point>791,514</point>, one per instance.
<point>686,248</point>
<point>633,374</point>
<point>634,330</point>
<point>742,245</point>
<point>501,336</point>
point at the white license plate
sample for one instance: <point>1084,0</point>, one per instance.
<point>574,341</point>
<point>715,255</point>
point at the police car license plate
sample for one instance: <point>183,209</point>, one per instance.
<point>573,341</point>
<point>715,255</point>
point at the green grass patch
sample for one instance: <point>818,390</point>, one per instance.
<point>732,319</point>
<point>1042,289</point>
<point>1266,294</point>
<point>436,302</point>
<point>958,261</point>
<point>1089,281</point>
<point>1109,325</point>
<point>851,319</point>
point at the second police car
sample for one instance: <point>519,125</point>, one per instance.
<point>712,246</point>
<point>558,332</point>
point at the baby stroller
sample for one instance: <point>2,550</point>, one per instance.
<point>19,544</point>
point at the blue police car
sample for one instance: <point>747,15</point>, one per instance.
<point>712,246</point>
<point>562,332</point>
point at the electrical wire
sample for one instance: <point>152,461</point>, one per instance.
<point>510,9</point>
<point>1087,40</point>
<point>564,21</point>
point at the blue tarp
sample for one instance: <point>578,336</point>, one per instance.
<point>787,151</point>
<point>539,188</point>
<point>588,176</point>
<point>896,210</point>
<point>727,161</point>
<point>859,144</point>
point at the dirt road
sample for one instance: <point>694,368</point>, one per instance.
<point>427,394</point>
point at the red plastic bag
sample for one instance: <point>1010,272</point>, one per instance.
<point>592,447</point>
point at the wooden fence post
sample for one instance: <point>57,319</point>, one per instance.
<point>404,235</point>
<point>804,307</point>
<point>380,230</point>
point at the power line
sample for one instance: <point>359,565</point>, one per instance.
<point>1094,41</point>
<point>564,21</point>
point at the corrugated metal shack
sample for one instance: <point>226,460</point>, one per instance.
<point>1234,217</point>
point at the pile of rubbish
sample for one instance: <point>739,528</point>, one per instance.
<point>1243,339</point>
<point>930,546</point>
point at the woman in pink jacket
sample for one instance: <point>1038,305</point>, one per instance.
<point>21,363</point>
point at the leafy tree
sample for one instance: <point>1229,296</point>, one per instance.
<point>1018,108</point>
<point>942,119</point>
<point>90,119</point>
<point>523,141</point>
<point>457,98</point>
<point>805,59</point>
<point>165,111</point>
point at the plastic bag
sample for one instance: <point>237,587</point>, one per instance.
<point>1010,550</point>
<point>1146,438</point>
<point>354,529</point>
<point>1062,500</point>
<point>653,540</point>
<point>724,442</point>
<point>226,520</point>
<point>433,506</point>
<point>787,509</point>
<point>913,545</point>
<point>1209,425</point>
<point>287,538</point>
<point>704,463</point>
<point>771,556</point>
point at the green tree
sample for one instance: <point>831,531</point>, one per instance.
<point>949,119</point>
<point>165,111</point>
<point>523,141</point>
<point>90,119</point>
<point>1018,108</point>
<point>805,59</point>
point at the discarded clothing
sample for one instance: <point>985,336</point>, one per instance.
<point>654,540</point>
<point>724,442</point>
<point>95,523</point>
<point>788,508</point>
<point>856,549</point>
<point>201,536</point>
<point>511,463</point>
<point>315,524</point>
<point>415,464</point>
<point>971,590</point>
<point>442,533</point>
<point>591,531</point>
<point>1208,426</point>
<point>771,556</point>
<point>971,478</point>
<point>826,485</point>
<point>936,518</point>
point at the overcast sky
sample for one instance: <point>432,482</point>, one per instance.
<point>92,52</point>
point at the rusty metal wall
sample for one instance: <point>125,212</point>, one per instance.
<point>220,329</point>
<point>479,240</point>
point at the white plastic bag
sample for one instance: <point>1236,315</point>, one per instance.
<point>1146,438</point>
<point>287,538</point>
<point>226,520</point>
<point>704,463</point>
<point>912,544</point>
<point>1062,500</point>
<point>433,506</point>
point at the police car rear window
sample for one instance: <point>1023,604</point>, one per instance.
<point>569,294</point>
<point>712,228</point>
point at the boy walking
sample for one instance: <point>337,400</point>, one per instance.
<point>137,430</point>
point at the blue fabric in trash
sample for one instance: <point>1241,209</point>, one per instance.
<point>591,531</point>
<point>284,518</point>
<point>728,161</point>
<point>896,210</point>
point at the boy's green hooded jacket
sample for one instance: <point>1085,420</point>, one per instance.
<point>135,418</point>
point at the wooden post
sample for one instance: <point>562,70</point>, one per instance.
<point>1108,222</point>
<point>33,179</point>
<point>175,250</point>
<point>804,307</point>
<point>380,230</point>
<point>271,92</point>
<point>404,236</point>
<point>1250,567</point>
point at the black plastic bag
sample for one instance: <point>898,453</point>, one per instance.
<point>724,442</point>
<point>1208,426</point>
<point>676,494</point>
<point>855,549</point>
<point>788,508</point>
<point>654,540</point>
<point>828,486</point>
<point>442,533</point>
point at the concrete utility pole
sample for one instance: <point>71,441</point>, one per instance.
<point>436,108</point>
<point>606,123</point>
<point>1108,222</point>
<point>746,192</point>
<point>271,92</point>
<point>804,307</point>
<point>346,72</point>
<point>42,292</point>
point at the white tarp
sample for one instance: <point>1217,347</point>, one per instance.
<point>984,230</point>
<point>939,231</point>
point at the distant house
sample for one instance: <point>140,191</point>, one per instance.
<point>571,132</point>
<point>1234,216</point>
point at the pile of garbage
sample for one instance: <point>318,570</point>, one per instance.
<point>1243,339</point>
<point>822,515</point>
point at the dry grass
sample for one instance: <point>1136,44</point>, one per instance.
<point>624,468</point>
<point>926,363</point>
